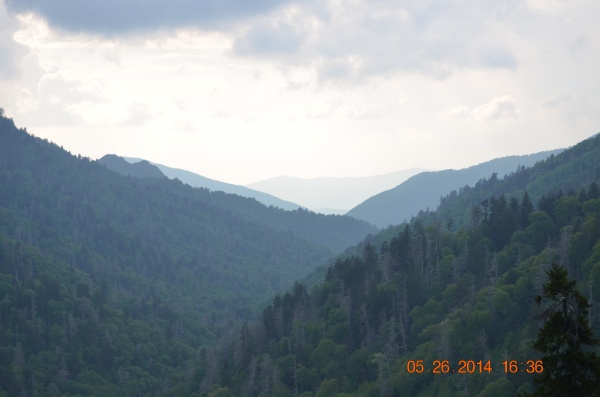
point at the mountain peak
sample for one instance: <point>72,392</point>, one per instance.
<point>200,181</point>
<point>142,169</point>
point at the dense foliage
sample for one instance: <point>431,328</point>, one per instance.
<point>565,339</point>
<point>110,285</point>
<point>432,291</point>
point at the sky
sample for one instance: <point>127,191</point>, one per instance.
<point>242,91</point>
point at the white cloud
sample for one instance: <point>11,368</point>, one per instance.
<point>359,39</point>
<point>499,108</point>
<point>456,111</point>
<point>139,114</point>
<point>551,102</point>
<point>551,5</point>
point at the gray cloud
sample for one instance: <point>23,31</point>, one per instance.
<point>344,41</point>
<point>348,41</point>
<point>110,17</point>
<point>280,39</point>
<point>498,58</point>
<point>361,39</point>
<point>11,52</point>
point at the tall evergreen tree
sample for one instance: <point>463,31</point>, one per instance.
<point>524,210</point>
<point>571,368</point>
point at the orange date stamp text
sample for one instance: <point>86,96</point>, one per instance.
<point>473,366</point>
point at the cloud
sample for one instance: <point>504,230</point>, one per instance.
<point>54,96</point>
<point>548,5</point>
<point>54,87</point>
<point>455,112</point>
<point>361,39</point>
<point>342,40</point>
<point>11,53</point>
<point>556,100</point>
<point>139,114</point>
<point>340,68</point>
<point>110,17</point>
<point>498,58</point>
<point>280,38</point>
<point>499,108</point>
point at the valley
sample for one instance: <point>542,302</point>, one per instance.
<point>127,282</point>
<point>299,198</point>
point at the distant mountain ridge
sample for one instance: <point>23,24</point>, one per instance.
<point>332,194</point>
<point>196,180</point>
<point>423,191</point>
<point>142,169</point>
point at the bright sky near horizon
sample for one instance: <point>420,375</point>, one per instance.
<point>241,91</point>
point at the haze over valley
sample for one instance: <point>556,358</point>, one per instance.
<point>329,194</point>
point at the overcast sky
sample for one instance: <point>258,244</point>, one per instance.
<point>241,91</point>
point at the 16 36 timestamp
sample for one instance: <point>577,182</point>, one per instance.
<point>529,366</point>
<point>473,367</point>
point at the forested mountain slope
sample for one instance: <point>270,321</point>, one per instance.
<point>332,231</point>
<point>568,170</point>
<point>431,290</point>
<point>572,168</point>
<point>196,180</point>
<point>423,191</point>
<point>109,284</point>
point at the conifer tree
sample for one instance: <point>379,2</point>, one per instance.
<point>571,367</point>
<point>525,208</point>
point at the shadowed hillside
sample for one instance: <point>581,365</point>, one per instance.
<point>110,284</point>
